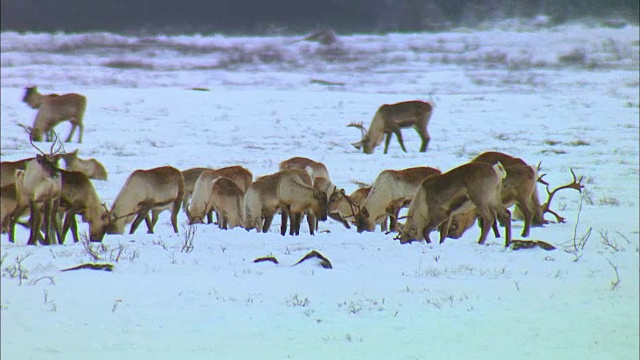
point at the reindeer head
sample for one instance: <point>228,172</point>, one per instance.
<point>30,97</point>
<point>364,143</point>
<point>363,221</point>
<point>320,210</point>
<point>335,199</point>
<point>49,162</point>
<point>97,225</point>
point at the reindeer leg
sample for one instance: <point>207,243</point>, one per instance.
<point>73,130</point>
<point>284,215</point>
<point>49,217</point>
<point>311,220</point>
<point>66,225</point>
<point>80,131</point>
<point>174,215</point>
<point>387,140</point>
<point>143,214</point>
<point>424,136</point>
<point>486,221</point>
<point>505,218</point>
<point>34,223</point>
<point>268,219</point>
<point>496,231</point>
<point>399,136</point>
<point>74,229</point>
<point>149,223</point>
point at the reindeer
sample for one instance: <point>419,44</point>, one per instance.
<point>387,194</point>
<point>228,202</point>
<point>317,170</point>
<point>8,204</point>
<point>439,197</point>
<point>190,177</point>
<point>298,197</point>
<point>342,206</point>
<point>200,204</point>
<point>78,196</point>
<point>54,109</point>
<point>517,188</point>
<point>389,119</point>
<point>39,186</point>
<point>90,167</point>
<point>8,170</point>
<point>289,191</point>
<point>153,190</point>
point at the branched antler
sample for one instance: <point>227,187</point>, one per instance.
<point>360,126</point>
<point>575,184</point>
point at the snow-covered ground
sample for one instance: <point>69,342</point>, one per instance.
<point>567,97</point>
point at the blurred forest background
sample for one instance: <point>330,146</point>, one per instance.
<point>294,16</point>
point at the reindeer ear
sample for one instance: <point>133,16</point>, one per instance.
<point>342,192</point>
<point>357,145</point>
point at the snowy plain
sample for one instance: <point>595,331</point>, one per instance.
<point>565,96</point>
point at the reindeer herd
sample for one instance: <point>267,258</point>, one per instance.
<point>451,202</point>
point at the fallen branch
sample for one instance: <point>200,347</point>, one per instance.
<point>530,244</point>
<point>265,259</point>
<point>90,266</point>
<point>324,262</point>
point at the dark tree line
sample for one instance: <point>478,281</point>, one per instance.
<point>259,16</point>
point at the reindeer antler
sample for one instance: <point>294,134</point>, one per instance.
<point>34,145</point>
<point>542,175</point>
<point>575,184</point>
<point>358,125</point>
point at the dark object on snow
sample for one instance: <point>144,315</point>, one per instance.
<point>324,37</point>
<point>325,82</point>
<point>266,258</point>
<point>105,267</point>
<point>199,89</point>
<point>324,262</point>
<point>530,244</point>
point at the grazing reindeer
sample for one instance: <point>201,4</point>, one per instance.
<point>8,170</point>
<point>39,186</point>
<point>287,190</point>
<point>228,202</point>
<point>469,186</point>
<point>387,194</point>
<point>90,167</point>
<point>389,119</point>
<point>190,177</point>
<point>154,190</point>
<point>78,196</point>
<point>54,109</point>
<point>342,206</point>
<point>8,204</point>
<point>200,204</point>
<point>517,188</point>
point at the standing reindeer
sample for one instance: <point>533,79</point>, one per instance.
<point>54,109</point>
<point>389,119</point>
<point>467,187</point>
<point>39,185</point>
